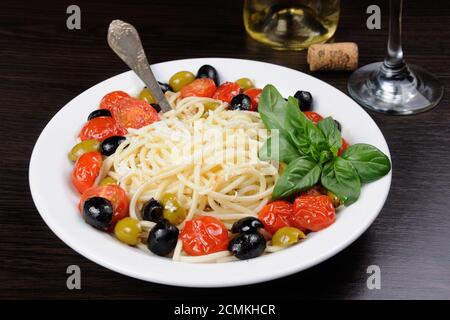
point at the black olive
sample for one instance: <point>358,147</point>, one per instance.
<point>247,224</point>
<point>99,113</point>
<point>152,211</point>
<point>247,245</point>
<point>338,125</point>
<point>165,87</point>
<point>109,145</point>
<point>207,71</point>
<point>156,106</point>
<point>98,212</point>
<point>163,238</point>
<point>304,100</point>
<point>241,102</point>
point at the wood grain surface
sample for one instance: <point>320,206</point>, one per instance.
<point>43,65</point>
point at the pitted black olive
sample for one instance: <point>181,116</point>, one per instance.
<point>207,71</point>
<point>109,145</point>
<point>99,113</point>
<point>247,224</point>
<point>338,125</point>
<point>241,102</point>
<point>247,245</point>
<point>156,106</point>
<point>304,100</point>
<point>165,87</point>
<point>163,238</point>
<point>152,211</point>
<point>98,212</point>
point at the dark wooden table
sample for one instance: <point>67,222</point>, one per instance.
<point>43,65</point>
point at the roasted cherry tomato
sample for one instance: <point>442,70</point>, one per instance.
<point>313,212</point>
<point>110,99</point>
<point>202,87</point>
<point>204,235</point>
<point>276,215</point>
<point>86,169</point>
<point>344,146</point>
<point>313,116</point>
<point>226,91</point>
<point>254,94</point>
<point>115,194</point>
<point>100,129</point>
<point>134,113</point>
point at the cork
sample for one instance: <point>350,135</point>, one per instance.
<point>341,56</point>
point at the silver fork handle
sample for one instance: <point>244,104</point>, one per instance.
<point>125,42</point>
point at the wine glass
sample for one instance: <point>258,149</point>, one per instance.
<point>393,86</point>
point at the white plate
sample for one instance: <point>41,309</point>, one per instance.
<point>56,200</point>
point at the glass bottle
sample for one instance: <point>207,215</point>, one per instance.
<point>291,24</point>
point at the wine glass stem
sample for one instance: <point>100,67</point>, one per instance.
<point>394,59</point>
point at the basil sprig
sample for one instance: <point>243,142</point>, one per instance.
<point>311,152</point>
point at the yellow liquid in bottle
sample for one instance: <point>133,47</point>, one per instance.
<point>291,24</point>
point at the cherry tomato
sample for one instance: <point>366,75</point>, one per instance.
<point>204,235</point>
<point>115,194</point>
<point>86,169</point>
<point>133,113</point>
<point>110,99</point>
<point>202,87</point>
<point>344,146</point>
<point>313,212</point>
<point>313,116</point>
<point>100,129</point>
<point>276,215</point>
<point>227,91</point>
<point>254,95</point>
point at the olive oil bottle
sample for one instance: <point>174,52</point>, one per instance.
<point>291,24</point>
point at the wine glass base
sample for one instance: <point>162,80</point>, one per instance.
<point>409,90</point>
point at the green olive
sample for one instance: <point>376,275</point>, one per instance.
<point>82,148</point>
<point>287,236</point>
<point>172,210</point>
<point>334,199</point>
<point>181,79</point>
<point>107,181</point>
<point>146,95</point>
<point>128,231</point>
<point>245,83</point>
<point>211,106</point>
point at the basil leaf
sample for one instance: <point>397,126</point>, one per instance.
<point>275,111</point>
<point>370,163</point>
<point>340,177</point>
<point>332,134</point>
<point>301,174</point>
<point>279,148</point>
<point>308,138</point>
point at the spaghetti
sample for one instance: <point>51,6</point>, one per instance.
<point>204,154</point>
